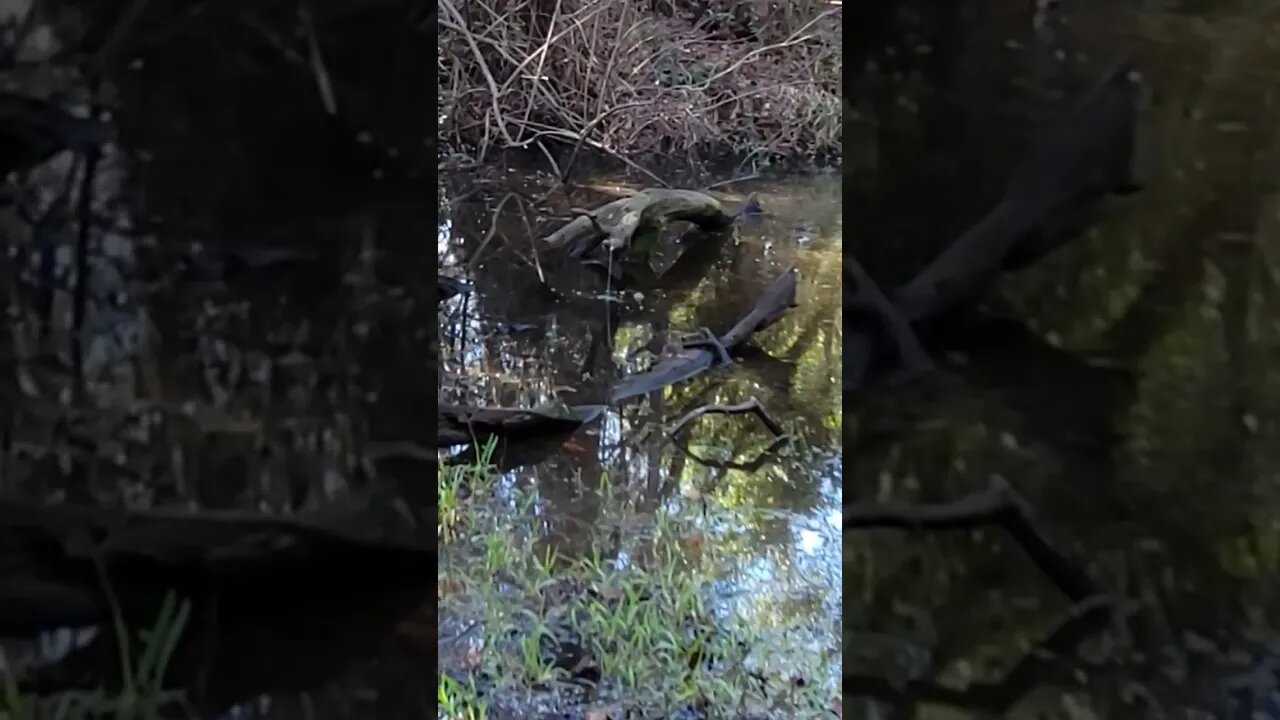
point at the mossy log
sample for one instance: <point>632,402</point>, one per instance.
<point>623,221</point>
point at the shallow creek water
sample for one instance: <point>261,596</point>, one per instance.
<point>1126,386</point>
<point>775,521</point>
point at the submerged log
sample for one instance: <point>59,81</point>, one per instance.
<point>1087,156</point>
<point>684,362</point>
<point>1073,167</point>
<point>463,424</point>
<point>62,566</point>
<point>622,222</point>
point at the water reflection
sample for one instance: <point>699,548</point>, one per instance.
<point>509,343</point>
<point>254,325</point>
<point>1123,388</point>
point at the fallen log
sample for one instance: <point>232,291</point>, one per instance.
<point>1087,156</point>
<point>687,360</point>
<point>1073,167</point>
<point>637,219</point>
<point>464,424</point>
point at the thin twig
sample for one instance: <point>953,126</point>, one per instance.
<point>493,230</point>
<point>555,168</point>
<point>751,405</point>
<point>731,181</point>
<point>533,243</point>
<point>495,108</point>
<point>81,296</point>
<point>549,131</point>
<point>868,293</point>
<point>111,47</point>
<point>323,85</point>
<point>749,466</point>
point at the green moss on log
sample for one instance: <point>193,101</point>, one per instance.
<point>622,222</point>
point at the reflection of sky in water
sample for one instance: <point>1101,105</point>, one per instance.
<point>799,580</point>
<point>449,254</point>
<point>769,583</point>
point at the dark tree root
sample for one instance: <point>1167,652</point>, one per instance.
<point>998,505</point>
<point>751,405</point>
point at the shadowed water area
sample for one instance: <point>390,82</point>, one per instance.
<point>251,339</point>
<point>1124,386</point>
<point>750,522</point>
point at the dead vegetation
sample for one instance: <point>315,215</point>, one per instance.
<point>731,77</point>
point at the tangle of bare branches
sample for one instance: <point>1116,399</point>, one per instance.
<point>630,79</point>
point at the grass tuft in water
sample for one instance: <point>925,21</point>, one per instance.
<point>142,694</point>
<point>636,625</point>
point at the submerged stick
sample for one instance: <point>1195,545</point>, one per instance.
<point>751,405</point>
<point>998,505</point>
<point>876,307</point>
<point>689,360</point>
<point>749,466</point>
<point>84,218</point>
<point>774,302</point>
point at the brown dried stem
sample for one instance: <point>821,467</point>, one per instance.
<point>607,76</point>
